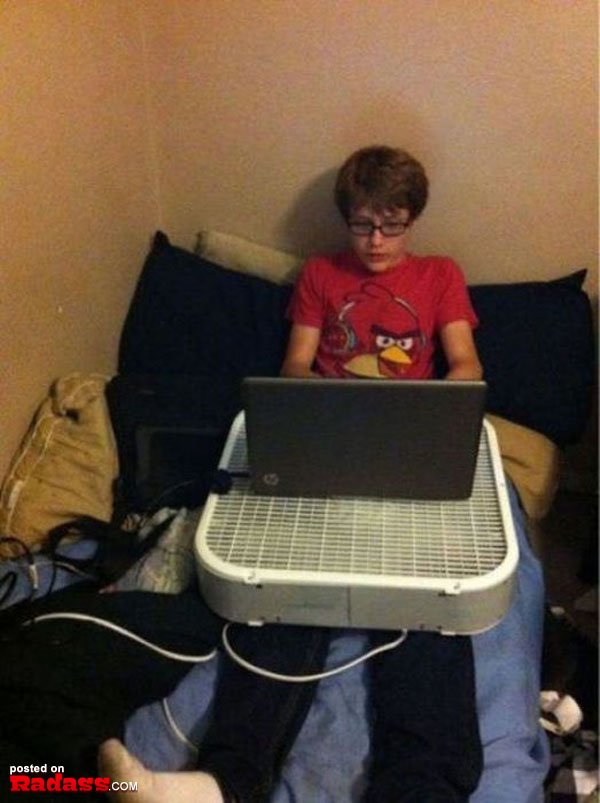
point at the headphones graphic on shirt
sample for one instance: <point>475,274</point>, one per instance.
<point>343,335</point>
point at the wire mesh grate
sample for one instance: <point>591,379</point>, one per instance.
<point>452,540</point>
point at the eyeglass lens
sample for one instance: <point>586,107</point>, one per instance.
<point>391,228</point>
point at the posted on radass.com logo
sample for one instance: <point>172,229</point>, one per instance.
<point>53,778</point>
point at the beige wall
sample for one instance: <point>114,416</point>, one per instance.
<point>259,100</point>
<point>124,115</point>
<point>77,193</point>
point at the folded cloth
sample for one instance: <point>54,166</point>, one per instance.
<point>244,256</point>
<point>573,776</point>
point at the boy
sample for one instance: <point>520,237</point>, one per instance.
<point>380,311</point>
<point>376,311</point>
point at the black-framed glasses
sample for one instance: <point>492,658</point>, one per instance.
<point>389,228</point>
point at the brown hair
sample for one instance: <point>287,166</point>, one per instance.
<point>383,178</point>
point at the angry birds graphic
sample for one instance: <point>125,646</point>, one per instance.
<point>375,335</point>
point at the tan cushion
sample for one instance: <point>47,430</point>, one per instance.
<point>66,464</point>
<point>244,256</point>
<point>531,461</point>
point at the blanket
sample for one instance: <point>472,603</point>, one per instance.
<point>327,764</point>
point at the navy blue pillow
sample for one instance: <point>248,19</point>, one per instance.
<point>190,316</point>
<point>536,343</point>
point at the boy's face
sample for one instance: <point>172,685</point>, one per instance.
<point>377,251</point>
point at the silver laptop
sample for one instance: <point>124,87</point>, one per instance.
<point>364,437</point>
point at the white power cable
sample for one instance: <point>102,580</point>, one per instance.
<point>308,678</point>
<point>175,727</point>
<point>82,617</point>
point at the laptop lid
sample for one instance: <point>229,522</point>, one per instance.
<point>363,437</point>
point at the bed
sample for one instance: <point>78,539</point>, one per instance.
<point>224,316</point>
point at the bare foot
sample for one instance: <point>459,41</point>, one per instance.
<point>116,763</point>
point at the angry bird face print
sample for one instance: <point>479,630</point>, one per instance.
<point>375,335</point>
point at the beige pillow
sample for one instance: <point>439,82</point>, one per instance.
<point>531,461</point>
<point>66,464</point>
<point>244,256</point>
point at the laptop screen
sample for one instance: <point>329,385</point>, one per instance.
<point>362,437</point>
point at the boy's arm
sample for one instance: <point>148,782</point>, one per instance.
<point>461,354</point>
<point>301,350</point>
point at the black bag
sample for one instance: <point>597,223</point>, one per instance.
<point>170,432</point>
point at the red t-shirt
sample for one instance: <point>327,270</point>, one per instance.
<point>379,325</point>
